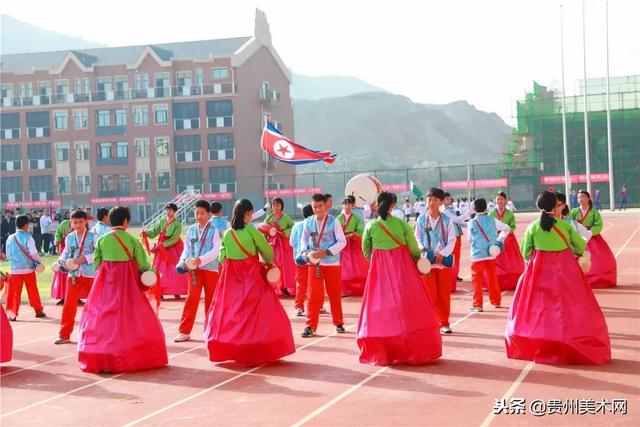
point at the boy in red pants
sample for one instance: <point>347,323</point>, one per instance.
<point>483,233</point>
<point>23,259</point>
<point>321,243</point>
<point>79,246</point>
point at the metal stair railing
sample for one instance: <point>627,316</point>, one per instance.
<point>185,201</point>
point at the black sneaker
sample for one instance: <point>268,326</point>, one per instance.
<point>40,314</point>
<point>459,279</point>
<point>308,332</point>
<point>80,303</point>
<point>340,329</point>
<point>61,302</point>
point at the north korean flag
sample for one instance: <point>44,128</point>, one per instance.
<point>282,148</point>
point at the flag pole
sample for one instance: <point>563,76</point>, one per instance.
<point>565,150</point>
<point>586,105</point>
<point>265,120</point>
<point>612,196</point>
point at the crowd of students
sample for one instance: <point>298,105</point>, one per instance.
<point>554,316</point>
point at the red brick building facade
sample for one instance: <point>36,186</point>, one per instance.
<point>136,125</point>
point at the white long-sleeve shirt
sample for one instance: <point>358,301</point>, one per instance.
<point>207,257</point>
<point>44,224</point>
<point>339,245</point>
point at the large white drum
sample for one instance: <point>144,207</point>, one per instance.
<point>364,188</point>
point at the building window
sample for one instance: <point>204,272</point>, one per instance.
<point>221,146</point>
<point>198,76</point>
<point>61,121</point>
<point>39,156</point>
<point>10,156</point>
<point>105,150</point>
<point>80,119</point>
<point>121,117</point>
<point>82,150</point>
<point>140,115</point>
<point>41,187</point>
<point>162,147</point>
<point>26,89</point>
<point>104,118</point>
<point>64,184</point>
<point>142,81</point>
<point>143,181</point>
<point>123,184</point>
<point>219,73</point>
<point>83,184</point>
<point>122,149</point>
<point>62,152</point>
<point>164,180</point>
<point>222,179</point>
<point>142,147</point>
<point>161,114</point>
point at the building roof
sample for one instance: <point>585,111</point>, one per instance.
<point>203,49</point>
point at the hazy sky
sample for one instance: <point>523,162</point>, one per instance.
<point>486,52</point>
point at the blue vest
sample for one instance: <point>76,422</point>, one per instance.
<point>100,228</point>
<point>72,248</point>
<point>436,237</point>
<point>480,245</point>
<point>17,259</point>
<point>220,223</point>
<point>296,235</point>
<point>328,238</point>
<point>207,245</point>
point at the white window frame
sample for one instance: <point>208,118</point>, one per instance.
<point>155,143</point>
<point>84,118</point>
<point>80,145</point>
<point>62,146</point>
<point>214,69</point>
<point>158,180</point>
<point>140,115</point>
<point>157,107</point>
<point>144,151</point>
<point>66,119</point>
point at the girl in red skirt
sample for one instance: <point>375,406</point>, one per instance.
<point>119,330</point>
<point>6,333</point>
<point>246,322</point>
<point>353,265</point>
<point>554,317</point>
<point>603,273</point>
<point>282,249</point>
<point>509,264</point>
<point>397,320</point>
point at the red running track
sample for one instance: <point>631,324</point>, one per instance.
<point>323,383</point>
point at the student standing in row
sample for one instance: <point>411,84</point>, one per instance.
<point>435,233</point>
<point>102,226</point>
<point>246,323</point>
<point>79,246</point>
<point>554,316</point>
<point>353,265</point>
<point>59,280</point>
<point>509,264</point>
<point>459,221</point>
<point>119,329</point>
<point>603,272</point>
<point>397,321</point>
<point>203,247</point>
<point>280,244</point>
<point>323,239</point>
<point>483,233</point>
<point>302,270</point>
<point>23,259</point>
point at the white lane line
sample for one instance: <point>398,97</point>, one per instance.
<point>218,385</point>
<point>525,371</point>
<point>58,396</point>
<point>36,340</point>
<point>523,374</point>
<point>349,391</point>
<point>338,398</point>
<point>39,364</point>
<point>627,242</point>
